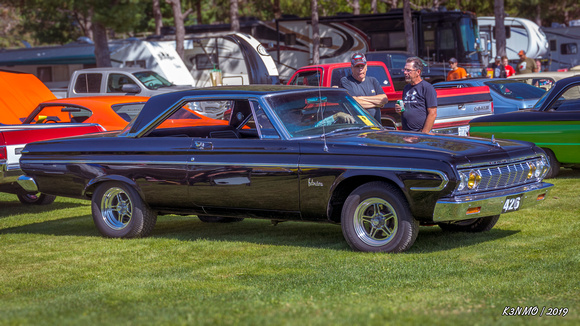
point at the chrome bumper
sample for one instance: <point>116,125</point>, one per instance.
<point>490,203</point>
<point>27,183</point>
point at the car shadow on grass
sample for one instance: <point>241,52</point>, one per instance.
<point>11,208</point>
<point>308,235</point>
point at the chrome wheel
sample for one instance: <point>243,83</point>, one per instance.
<point>116,208</point>
<point>375,222</point>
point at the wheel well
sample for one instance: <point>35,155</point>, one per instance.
<point>343,190</point>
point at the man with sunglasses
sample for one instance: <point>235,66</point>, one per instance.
<point>419,99</point>
<point>366,90</point>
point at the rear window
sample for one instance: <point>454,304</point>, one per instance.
<point>88,83</point>
<point>516,90</point>
<point>374,71</point>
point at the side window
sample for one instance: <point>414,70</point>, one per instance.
<point>128,111</point>
<point>88,83</point>
<point>116,81</point>
<point>307,78</point>
<point>379,73</point>
<point>569,48</point>
<point>568,101</point>
<point>264,126</point>
<point>337,74</point>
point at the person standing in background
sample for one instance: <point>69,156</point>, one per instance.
<point>419,99</point>
<point>365,90</point>
<point>497,68</point>
<point>509,70</point>
<point>456,71</point>
<point>526,65</point>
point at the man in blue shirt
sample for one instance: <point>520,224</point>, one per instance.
<point>419,99</point>
<point>366,90</point>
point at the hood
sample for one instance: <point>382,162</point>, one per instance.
<point>442,147</point>
<point>21,93</point>
<point>173,88</point>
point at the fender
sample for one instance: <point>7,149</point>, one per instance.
<point>95,182</point>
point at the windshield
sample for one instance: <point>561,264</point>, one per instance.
<point>152,80</point>
<point>515,90</point>
<point>542,99</point>
<point>469,37</point>
<point>321,113</point>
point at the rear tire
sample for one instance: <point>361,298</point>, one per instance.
<point>37,199</point>
<point>119,212</point>
<point>475,225</point>
<point>376,218</point>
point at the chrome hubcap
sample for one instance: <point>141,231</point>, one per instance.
<point>375,222</point>
<point>116,208</point>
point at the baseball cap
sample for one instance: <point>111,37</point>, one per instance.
<point>358,58</point>
<point>452,60</point>
<point>521,52</point>
<point>498,58</point>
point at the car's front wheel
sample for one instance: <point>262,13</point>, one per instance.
<point>376,218</point>
<point>119,211</point>
<point>37,199</point>
<point>554,164</point>
<point>481,224</point>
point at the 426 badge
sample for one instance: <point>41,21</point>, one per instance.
<point>512,203</point>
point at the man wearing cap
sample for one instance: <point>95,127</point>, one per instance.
<point>366,90</point>
<point>456,71</point>
<point>526,65</point>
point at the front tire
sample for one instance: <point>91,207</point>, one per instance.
<point>119,212</point>
<point>475,225</point>
<point>376,218</point>
<point>37,199</point>
<point>554,164</point>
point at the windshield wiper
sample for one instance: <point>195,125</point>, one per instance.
<point>347,129</point>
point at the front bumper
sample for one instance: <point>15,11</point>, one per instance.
<point>489,203</point>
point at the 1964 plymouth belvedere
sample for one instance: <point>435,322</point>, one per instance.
<point>288,153</point>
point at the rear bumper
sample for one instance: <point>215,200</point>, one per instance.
<point>490,203</point>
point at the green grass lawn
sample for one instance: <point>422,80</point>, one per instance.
<point>55,269</point>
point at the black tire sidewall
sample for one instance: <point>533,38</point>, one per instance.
<point>41,199</point>
<point>407,226</point>
<point>136,226</point>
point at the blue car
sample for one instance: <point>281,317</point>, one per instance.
<point>507,94</point>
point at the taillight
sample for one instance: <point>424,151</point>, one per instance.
<point>3,153</point>
<point>491,107</point>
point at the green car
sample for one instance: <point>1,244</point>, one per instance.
<point>553,124</point>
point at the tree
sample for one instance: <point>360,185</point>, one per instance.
<point>157,17</point>
<point>315,33</point>
<point>234,21</point>
<point>500,36</point>
<point>408,25</point>
<point>179,18</point>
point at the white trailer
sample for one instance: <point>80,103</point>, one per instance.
<point>564,43</point>
<point>521,34</point>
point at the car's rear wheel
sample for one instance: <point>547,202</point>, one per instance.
<point>36,199</point>
<point>119,211</point>
<point>376,218</point>
<point>474,225</point>
<point>219,219</point>
<point>554,164</point>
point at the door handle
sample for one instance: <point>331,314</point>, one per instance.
<point>203,145</point>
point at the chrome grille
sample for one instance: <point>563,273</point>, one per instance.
<point>502,175</point>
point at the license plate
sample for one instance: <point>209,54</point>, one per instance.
<point>463,130</point>
<point>512,203</point>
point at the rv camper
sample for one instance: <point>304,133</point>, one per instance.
<point>521,34</point>
<point>564,43</point>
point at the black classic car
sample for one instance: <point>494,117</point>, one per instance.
<point>288,153</point>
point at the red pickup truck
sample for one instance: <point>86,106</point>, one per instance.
<point>21,93</point>
<point>455,106</point>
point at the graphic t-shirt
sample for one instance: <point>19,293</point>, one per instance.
<point>526,66</point>
<point>417,98</point>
